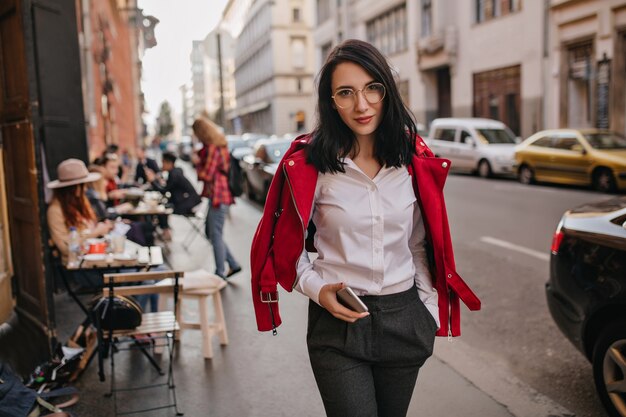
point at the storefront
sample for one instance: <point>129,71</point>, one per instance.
<point>42,123</point>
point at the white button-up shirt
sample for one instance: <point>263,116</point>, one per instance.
<point>370,236</point>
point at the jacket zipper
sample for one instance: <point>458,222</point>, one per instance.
<point>301,223</point>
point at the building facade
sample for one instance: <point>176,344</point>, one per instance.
<point>220,48</point>
<point>274,65</point>
<point>586,73</point>
<point>199,82</point>
<point>446,56</point>
<point>111,68</point>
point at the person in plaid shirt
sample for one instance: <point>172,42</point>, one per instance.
<point>212,165</point>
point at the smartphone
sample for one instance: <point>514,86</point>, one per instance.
<point>348,298</point>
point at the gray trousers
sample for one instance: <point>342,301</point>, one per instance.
<point>369,368</point>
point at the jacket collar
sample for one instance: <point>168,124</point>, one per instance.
<point>430,174</point>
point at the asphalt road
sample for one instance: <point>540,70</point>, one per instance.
<point>502,232</point>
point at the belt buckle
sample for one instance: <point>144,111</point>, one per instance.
<point>268,299</point>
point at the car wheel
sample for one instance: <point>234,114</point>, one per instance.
<point>609,368</point>
<point>484,169</point>
<point>603,180</point>
<point>526,175</point>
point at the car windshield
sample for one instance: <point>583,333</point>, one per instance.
<point>275,151</point>
<point>492,136</point>
<point>606,140</point>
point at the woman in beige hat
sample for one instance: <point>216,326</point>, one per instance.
<point>70,207</point>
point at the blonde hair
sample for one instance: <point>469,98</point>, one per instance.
<point>208,132</point>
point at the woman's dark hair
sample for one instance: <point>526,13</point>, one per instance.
<point>332,139</point>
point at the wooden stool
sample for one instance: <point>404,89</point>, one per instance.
<point>195,290</point>
<point>207,328</point>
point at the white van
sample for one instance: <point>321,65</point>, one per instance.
<point>483,146</point>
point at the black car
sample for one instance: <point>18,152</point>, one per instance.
<point>258,168</point>
<point>587,292</point>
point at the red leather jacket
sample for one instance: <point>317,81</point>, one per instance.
<point>280,236</point>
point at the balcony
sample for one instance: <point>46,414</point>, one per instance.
<point>438,49</point>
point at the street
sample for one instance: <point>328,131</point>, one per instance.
<point>502,233</point>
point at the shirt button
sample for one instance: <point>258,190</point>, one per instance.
<point>291,163</point>
<point>422,143</point>
<point>444,165</point>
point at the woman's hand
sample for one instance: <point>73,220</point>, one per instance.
<point>102,228</point>
<point>117,194</point>
<point>124,208</point>
<point>328,300</point>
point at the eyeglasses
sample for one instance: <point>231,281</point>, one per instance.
<point>346,97</point>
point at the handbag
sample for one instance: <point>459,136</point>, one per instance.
<point>124,313</point>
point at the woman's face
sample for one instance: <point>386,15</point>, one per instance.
<point>361,117</point>
<point>110,169</point>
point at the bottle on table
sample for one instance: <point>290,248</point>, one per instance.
<point>73,247</point>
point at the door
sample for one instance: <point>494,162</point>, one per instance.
<point>444,101</point>
<point>467,151</point>
<point>442,141</point>
<point>570,163</point>
<point>20,168</point>
<point>537,156</point>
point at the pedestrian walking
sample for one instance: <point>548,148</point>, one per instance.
<point>370,194</point>
<point>212,165</point>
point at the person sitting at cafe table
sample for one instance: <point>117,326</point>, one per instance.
<point>110,164</point>
<point>144,162</point>
<point>140,232</point>
<point>98,198</point>
<point>70,208</point>
<point>183,195</point>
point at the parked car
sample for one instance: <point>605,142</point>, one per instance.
<point>259,167</point>
<point>574,156</point>
<point>481,146</point>
<point>587,292</point>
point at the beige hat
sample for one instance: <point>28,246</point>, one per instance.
<point>71,172</point>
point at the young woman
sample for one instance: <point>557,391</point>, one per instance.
<point>70,207</point>
<point>212,165</point>
<point>374,196</point>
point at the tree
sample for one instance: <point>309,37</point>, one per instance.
<point>165,125</point>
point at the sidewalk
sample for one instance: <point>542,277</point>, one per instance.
<point>256,375</point>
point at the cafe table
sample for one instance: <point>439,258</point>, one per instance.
<point>134,257</point>
<point>141,258</point>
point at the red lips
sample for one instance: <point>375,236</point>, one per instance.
<point>364,120</point>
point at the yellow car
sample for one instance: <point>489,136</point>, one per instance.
<point>574,156</point>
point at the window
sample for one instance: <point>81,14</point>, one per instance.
<point>490,9</point>
<point>298,48</point>
<point>427,18</point>
<point>388,31</point>
<point>567,143</point>
<point>296,15</point>
<point>323,10</point>
<point>544,142</point>
<point>299,85</point>
<point>465,135</point>
<point>326,50</point>
<point>445,134</point>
